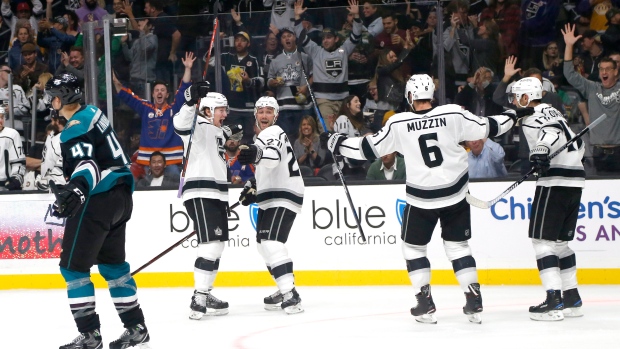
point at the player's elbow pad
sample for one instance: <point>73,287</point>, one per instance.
<point>499,124</point>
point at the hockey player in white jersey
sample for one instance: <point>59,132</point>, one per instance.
<point>205,191</point>
<point>279,192</point>
<point>51,164</point>
<point>556,202</point>
<point>437,181</point>
<point>12,158</point>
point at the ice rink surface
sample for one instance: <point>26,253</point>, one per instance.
<point>335,317</point>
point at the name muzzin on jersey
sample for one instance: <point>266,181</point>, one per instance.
<point>425,124</point>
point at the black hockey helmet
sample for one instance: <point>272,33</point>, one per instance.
<point>66,87</point>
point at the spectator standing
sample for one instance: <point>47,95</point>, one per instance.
<point>307,147</point>
<point>90,12</point>
<point>286,77</point>
<point>143,57</point>
<point>486,159</point>
<point>24,35</point>
<point>74,23</point>
<point>23,12</point>
<point>537,29</point>
<point>603,98</point>
<point>391,37</point>
<point>455,43</point>
<point>477,96</point>
<point>507,15</point>
<point>12,157</point>
<point>486,49</point>
<point>595,11</point>
<point>28,73</point>
<point>592,53</point>
<point>330,75</point>
<point>269,50</point>
<point>611,37</point>
<point>390,78</point>
<point>359,60</point>
<point>73,63</point>
<point>157,133</point>
<point>168,39</point>
<point>21,105</point>
<point>552,62</point>
<point>54,38</point>
<point>156,176</point>
<point>373,23</point>
<point>282,12</point>
<point>246,83</point>
<point>389,167</point>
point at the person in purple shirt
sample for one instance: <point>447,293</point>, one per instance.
<point>90,12</point>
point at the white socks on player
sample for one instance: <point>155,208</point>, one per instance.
<point>276,257</point>
<point>207,264</point>
<point>418,266</point>
<point>568,265</point>
<point>548,264</point>
<point>463,263</point>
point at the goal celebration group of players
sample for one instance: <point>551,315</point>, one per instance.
<point>97,199</point>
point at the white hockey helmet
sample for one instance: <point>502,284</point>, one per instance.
<point>212,100</point>
<point>532,87</point>
<point>420,86</point>
<point>270,102</point>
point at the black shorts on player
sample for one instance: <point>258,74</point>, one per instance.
<point>418,224</point>
<point>554,213</point>
<point>274,224</point>
<point>210,218</point>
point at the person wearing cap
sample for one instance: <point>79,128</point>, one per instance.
<point>239,173</point>
<point>611,37</point>
<point>592,52</point>
<point>603,98</point>
<point>246,83</point>
<point>28,73</point>
<point>286,78</point>
<point>22,11</point>
<point>331,69</point>
<point>12,158</point>
<point>21,105</point>
<point>53,36</point>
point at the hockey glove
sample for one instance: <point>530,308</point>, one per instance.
<point>511,113</point>
<point>332,141</point>
<point>13,184</point>
<point>539,157</point>
<point>231,130</point>
<point>248,194</point>
<point>195,92</point>
<point>249,154</point>
<point>523,112</point>
<point>69,200</point>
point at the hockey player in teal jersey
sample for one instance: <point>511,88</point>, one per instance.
<point>97,203</point>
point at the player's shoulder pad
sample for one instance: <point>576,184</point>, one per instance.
<point>10,132</point>
<point>81,122</point>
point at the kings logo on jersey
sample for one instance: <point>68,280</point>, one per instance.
<point>400,210</point>
<point>253,210</point>
<point>279,7</point>
<point>333,67</point>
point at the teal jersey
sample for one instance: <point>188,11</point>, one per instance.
<point>91,151</point>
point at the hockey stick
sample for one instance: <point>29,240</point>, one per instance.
<point>487,204</point>
<point>191,134</point>
<point>344,184</point>
<point>163,253</point>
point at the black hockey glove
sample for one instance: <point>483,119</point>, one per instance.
<point>231,130</point>
<point>195,92</point>
<point>13,184</point>
<point>69,200</point>
<point>523,112</point>
<point>249,154</point>
<point>539,157</point>
<point>248,194</point>
<point>332,141</point>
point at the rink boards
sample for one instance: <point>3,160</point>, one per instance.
<point>324,244</point>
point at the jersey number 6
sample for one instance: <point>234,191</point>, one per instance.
<point>427,150</point>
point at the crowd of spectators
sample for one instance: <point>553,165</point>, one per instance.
<point>355,56</point>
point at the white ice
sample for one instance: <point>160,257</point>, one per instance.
<point>335,317</point>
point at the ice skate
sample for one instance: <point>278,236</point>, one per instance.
<point>135,336</point>
<point>550,309</point>
<point>204,303</point>
<point>291,302</point>
<point>572,303</point>
<point>273,302</point>
<point>88,340</point>
<point>473,306</point>
<point>424,312</point>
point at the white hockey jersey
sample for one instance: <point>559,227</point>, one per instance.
<point>51,165</point>
<point>548,127</point>
<point>12,157</point>
<point>278,179</point>
<point>206,174</point>
<point>436,163</point>
<point>282,12</point>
